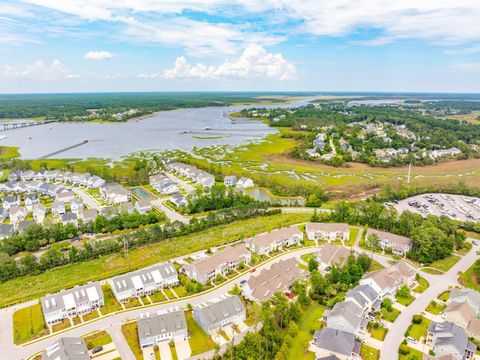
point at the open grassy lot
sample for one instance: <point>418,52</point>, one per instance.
<point>445,264</point>
<point>418,330</point>
<point>132,303</point>
<point>422,285</point>
<point>468,279</point>
<point>435,308</point>
<point>65,324</point>
<point>404,300</point>
<point>369,353</point>
<point>99,338</point>
<point>309,322</point>
<point>376,331</point>
<point>130,333</point>
<point>111,303</point>
<point>353,236</point>
<point>28,324</point>
<point>199,341</point>
<point>8,152</point>
<point>169,293</point>
<point>31,287</point>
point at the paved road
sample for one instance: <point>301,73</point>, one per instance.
<point>87,198</point>
<point>112,323</point>
<point>172,215</point>
<point>438,284</point>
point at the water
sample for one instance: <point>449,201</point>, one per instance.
<point>162,131</point>
<point>261,194</point>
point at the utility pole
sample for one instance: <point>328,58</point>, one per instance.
<point>125,250</point>
<point>409,173</point>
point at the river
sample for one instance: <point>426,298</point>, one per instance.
<point>167,130</point>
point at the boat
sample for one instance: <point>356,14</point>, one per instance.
<point>3,137</point>
<point>207,128</point>
<point>186,132</point>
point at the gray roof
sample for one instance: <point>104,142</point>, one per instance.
<point>155,274</point>
<point>31,196</point>
<point>6,230</point>
<point>67,348</point>
<point>89,292</point>
<point>460,295</point>
<point>69,217</point>
<point>336,341</point>
<point>366,291</point>
<point>349,311</point>
<point>169,322</point>
<point>22,225</point>
<point>448,334</point>
<point>218,311</point>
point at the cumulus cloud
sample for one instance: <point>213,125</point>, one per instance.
<point>40,70</point>
<point>255,62</point>
<point>99,55</point>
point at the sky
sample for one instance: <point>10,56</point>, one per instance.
<point>239,45</point>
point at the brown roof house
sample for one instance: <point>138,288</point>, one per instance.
<point>399,245</point>
<point>327,231</point>
<point>330,255</point>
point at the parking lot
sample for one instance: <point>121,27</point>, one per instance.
<point>458,207</point>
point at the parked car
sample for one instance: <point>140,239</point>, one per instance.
<point>97,349</point>
<point>412,340</point>
<point>243,282</point>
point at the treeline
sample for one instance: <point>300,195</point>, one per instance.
<point>401,192</point>
<point>216,198</point>
<point>433,237</point>
<point>56,256</point>
<point>36,236</point>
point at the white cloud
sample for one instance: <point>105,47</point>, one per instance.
<point>99,55</point>
<point>466,66</point>
<point>255,62</point>
<point>40,70</point>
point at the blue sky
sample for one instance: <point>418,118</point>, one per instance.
<point>220,45</point>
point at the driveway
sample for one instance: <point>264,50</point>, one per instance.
<point>164,350</point>
<point>87,198</point>
<point>182,347</point>
<point>438,284</point>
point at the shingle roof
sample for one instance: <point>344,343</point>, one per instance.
<point>391,238</point>
<point>169,322</point>
<point>217,311</point>
<point>219,258</point>
<point>462,308</point>
<point>333,254</point>
<point>327,227</point>
<point>336,341</point>
<point>67,348</point>
<point>274,235</point>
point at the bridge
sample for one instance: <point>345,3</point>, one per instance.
<point>62,150</point>
<point>19,125</point>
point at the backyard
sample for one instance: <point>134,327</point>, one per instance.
<point>199,341</point>
<point>28,324</point>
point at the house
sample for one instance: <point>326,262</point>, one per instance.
<point>39,211</point>
<point>30,200</point>
<point>126,208</point>
<point>220,263</point>
<point>473,328</point>
<point>9,201</point>
<point>470,296</point>
<point>459,313</point>
<point>327,231</point>
<point>346,316</point>
<point>14,175</point>
<point>274,240</point>
<point>51,175</point>
<point>279,278</point>
<point>244,183</point>
<point>163,184</point>
<point>179,200</point>
<point>39,175</point>
<point>448,338</point>
<point>58,208</point>
<point>192,173</point>
<point>27,175</point>
<point>166,326</point>
<point>88,215</point>
<point>65,196</point>
<point>399,245</point>
<point>230,180</point>
<point>331,255</point>
<point>6,231</point>
<point>3,214</point>
<point>22,225</point>
<point>109,212</point>
<point>95,182</point>
<point>76,205</point>
<point>67,348</point>
<point>69,218</point>
<point>70,303</point>
<point>387,281</point>
<point>329,343</point>
<point>115,193</point>
<point>17,213</point>
<point>143,282</point>
<point>364,296</point>
<point>219,313</point>
<point>143,206</point>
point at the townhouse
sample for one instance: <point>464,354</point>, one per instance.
<point>399,245</point>
<point>333,344</point>
<point>219,263</point>
<point>279,278</point>
<point>67,348</point>
<point>219,313</point>
<point>192,173</point>
<point>450,339</point>
<point>331,255</point>
<point>179,200</point>
<point>163,184</point>
<point>327,231</point>
<point>143,282</point>
<point>70,303</point>
<point>165,326</point>
<point>274,240</point>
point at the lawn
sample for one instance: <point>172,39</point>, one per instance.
<point>445,264</point>
<point>435,308</point>
<point>169,293</point>
<point>134,302</point>
<point>389,316</point>
<point>99,338</point>
<point>375,266</point>
<point>404,300</point>
<point>253,313</point>
<point>199,341</point>
<point>130,333</point>
<point>28,324</point>
<point>32,287</point>
<point>65,324</point>
<point>157,297</point>
<point>111,303</point>
<point>309,322</point>
<point>377,332</point>
<point>173,351</point>
<point>180,291</point>
<point>444,296</point>
<point>422,285</point>
<point>418,330</point>
<point>369,353</point>
<point>468,279</point>
<point>90,316</point>
<point>353,236</point>
<point>413,354</point>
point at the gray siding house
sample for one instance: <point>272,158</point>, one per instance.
<point>220,313</point>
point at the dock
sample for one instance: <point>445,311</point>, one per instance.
<point>62,150</point>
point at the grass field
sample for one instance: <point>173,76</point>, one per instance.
<point>99,338</point>
<point>413,354</point>
<point>199,341</point>
<point>378,333</point>
<point>468,279</point>
<point>90,316</point>
<point>65,324</point>
<point>353,236</point>
<point>157,297</point>
<point>130,333</point>
<point>111,304</point>
<point>445,264</point>
<point>28,324</point>
<point>444,296</point>
<point>418,330</point>
<point>309,322</point>
<point>8,152</point>
<point>389,316</point>
<point>32,287</point>
<point>369,353</point>
<point>422,285</point>
<point>405,301</point>
<point>435,308</point>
